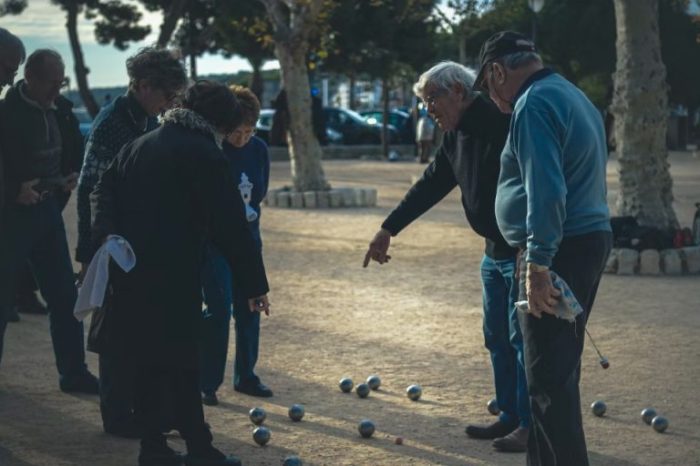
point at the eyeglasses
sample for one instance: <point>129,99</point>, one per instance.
<point>243,133</point>
<point>430,99</point>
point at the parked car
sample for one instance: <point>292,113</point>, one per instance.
<point>264,125</point>
<point>400,120</point>
<point>354,128</point>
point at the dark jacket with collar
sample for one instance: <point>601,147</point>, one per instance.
<point>469,158</point>
<point>169,192</point>
<point>19,123</point>
<point>117,124</point>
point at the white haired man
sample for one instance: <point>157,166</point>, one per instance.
<point>470,158</point>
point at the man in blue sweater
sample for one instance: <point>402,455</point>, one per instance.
<point>550,203</point>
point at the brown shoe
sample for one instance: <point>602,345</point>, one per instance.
<point>515,442</point>
<point>495,430</point>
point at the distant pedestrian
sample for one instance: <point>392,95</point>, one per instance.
<point>425,136</point>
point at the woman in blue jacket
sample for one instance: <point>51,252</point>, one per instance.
<point>249,162</point>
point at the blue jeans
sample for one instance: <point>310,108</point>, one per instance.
<point>220,297</point>
<point>37,234</point>
<point>504,339</point>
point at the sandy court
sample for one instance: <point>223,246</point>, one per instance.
<point>415,320</point>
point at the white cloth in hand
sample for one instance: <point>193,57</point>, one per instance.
<point>91,293</point>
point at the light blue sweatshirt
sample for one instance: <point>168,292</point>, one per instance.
<point>552,181</point>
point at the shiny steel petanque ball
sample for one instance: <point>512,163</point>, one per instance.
<point>257,416</point>
<point>362,390</point>
<point>374,382</point>
<point>366,428</point>
<point>292,460</point>
<point>659,423</point>
<point>296,412</point>
<point>648,414</point>
<point>261,435</point>
<point>414,392</point>
<point>598,408</point>
<point>345,385</point>
<point>493,408</point>
<point>604,363</point>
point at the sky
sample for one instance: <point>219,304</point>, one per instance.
<point>42,25</point>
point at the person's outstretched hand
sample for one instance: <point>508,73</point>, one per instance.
<point>378,248</point>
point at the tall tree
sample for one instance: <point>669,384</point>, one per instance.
<point>245,30</point>
<point>116,22</point>
<point>640,105</point>
<point>293,22</point>
<point>173,11</point>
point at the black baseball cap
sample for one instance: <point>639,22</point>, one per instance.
<point>501,44</point>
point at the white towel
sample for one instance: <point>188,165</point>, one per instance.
<point>91,294</point>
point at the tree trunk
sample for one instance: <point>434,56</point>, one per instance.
<point>352,91</point>
<point>170,18</point>
<point>256,81</point>
<point>193,66</point>
<point>81,71</point>
<point>385,117</point>
<point>640,106</point>
<point>304,149</point>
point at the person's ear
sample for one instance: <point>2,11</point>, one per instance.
<point>458,90</point>
<point>499,73</point>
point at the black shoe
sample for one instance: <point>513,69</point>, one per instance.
<point>211,457</point>
<point>82,383</point>
<point>515,442</point>
<point>256,388</point>
<point>210,399</point>
<point>492,431</point>
<point>164,456</point>
<point>30,304</point>
<point>12,315</point>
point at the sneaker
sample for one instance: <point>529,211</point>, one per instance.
<point>515,442</point>
<point>210,399</point>
<point>82,383</point>
<point>256,388</point>
<point>492,431</point>
<point>30,304</point>
<point>163,456</point>
<point>211,457</point>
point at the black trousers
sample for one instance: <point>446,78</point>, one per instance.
<point>170,396</point>
<point>117,380</point>
<point>553,350</point>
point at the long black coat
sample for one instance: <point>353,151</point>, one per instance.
<point>168,192</point>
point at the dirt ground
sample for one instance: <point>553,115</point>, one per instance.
<point>415,320</point>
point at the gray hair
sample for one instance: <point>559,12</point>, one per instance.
<point>9,41</point>
<point>37,60</point>
<point>160,67</point>
<point>517,60</point>
<point>444,75</point>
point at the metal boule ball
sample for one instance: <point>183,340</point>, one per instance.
<point>362,390</point>
<point>648,414</point>
<point>261,435</point>
<point>257,416</point>
<point>398,440</point>
<point>296,412</point>
<point>414,392</point>
<point>292,460</point>
<point>346,384</point>
<point>598,408</point>
<point>374,382</point>
<point>493,408</point>
<point>659,423</point>
<point>366,428</point>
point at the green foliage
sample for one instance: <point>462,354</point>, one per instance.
<point>119,24</point>
<point>12,7</point>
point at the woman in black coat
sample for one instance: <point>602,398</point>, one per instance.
<point>168,192</point>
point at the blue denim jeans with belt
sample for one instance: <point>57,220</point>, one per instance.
<point>223,299</point>
<point>37,234</point>
<point>504,339</point>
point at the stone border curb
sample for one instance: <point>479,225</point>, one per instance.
<point>334,198</point>
<point>681,261</point>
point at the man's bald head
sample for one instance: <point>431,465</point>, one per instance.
<point>12,54</point>
<point>44,76</point>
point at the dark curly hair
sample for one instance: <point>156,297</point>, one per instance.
<point>160,67</point>
<point>216,103</point>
